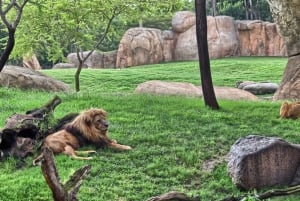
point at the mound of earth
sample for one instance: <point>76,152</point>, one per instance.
<point>25,78</point>
<point>188,89</point>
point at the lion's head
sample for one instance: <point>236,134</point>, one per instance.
<point>93,125</point>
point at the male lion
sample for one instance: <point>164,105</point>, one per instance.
<point>290,110</point>
<point>88,128</point>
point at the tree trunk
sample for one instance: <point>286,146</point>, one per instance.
<point>246,9</point>
<point>9,47</point>
<point>11,25</point>
<point>287,16</point>
<point>213,6</point>
<point>201,31</point>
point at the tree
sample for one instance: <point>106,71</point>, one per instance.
<point>245,9</point>
<point>287,16</point>
<point>10,15</point>
<point>201,31</point>
<point>58,26</point>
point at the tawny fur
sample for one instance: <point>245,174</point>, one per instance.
<point>88,128</point>
<point>290,110</point>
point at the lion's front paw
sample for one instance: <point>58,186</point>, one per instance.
<point>127,147</point>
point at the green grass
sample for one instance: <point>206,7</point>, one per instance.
<point>173,137</point>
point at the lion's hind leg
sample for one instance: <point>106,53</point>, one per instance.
<point>73,154</point>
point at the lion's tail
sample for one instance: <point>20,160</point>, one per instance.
<point>38,160</point>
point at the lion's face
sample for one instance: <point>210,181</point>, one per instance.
<point>100,123</point>
<point>96,118</point>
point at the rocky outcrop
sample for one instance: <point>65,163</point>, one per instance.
<point>258,38</point>
<point>187,89</point>
<point>255,162</point>
<point>226,37</point>
<point>140,46</point>
<point>96,60</point>
<point>222,40</point>
<point>25,78</point>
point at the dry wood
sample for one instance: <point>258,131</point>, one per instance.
<point>172,196</point>
<point>268,194</point>
<point>60,192</point>
<point>23,132</point>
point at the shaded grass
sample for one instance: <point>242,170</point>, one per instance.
<point>173,137</point>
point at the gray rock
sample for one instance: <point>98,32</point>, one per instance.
<point>261,88</point>
<point>63,65</point>
<point>258,88</point>
<point>257,161</point>
<point>96,59</point>
<point>25,78</point>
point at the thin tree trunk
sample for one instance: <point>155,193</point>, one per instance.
<point>201,31</point>
<point>213,5</point>
<point>9,47</point>
<point>11,26</point>
<point>246,9</point>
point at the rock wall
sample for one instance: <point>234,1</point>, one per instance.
<point>226,38</point>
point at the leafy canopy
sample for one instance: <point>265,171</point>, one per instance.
<point>57,27</point>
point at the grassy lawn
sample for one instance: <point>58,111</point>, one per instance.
<point>174,138</point>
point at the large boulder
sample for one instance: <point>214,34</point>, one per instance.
<point>182,21</point>
<point>95,60</point>
<point>256,162</point>
<point>187,89</point>
<point>140,46</point>
<point>221,35</point>
<point>25,78</point>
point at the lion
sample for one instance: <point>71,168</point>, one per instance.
<point>88,128</point>
<point>290,110</point>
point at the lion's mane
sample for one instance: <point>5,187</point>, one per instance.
<point>84,128</point>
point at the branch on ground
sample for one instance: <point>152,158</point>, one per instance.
<point>60,192</point>
<point>173,196</point>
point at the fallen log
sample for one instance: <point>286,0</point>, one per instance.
<point>268,194</point>
<point>23,133</point>
<point>173,196</point>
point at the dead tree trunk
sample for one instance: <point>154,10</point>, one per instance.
<point>60,192</point>
<point>23,132</point>
<point>173,196</point>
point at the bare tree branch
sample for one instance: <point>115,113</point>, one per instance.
<point>60,192</point>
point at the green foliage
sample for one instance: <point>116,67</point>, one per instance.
<point>237,9</point>
<point>173,137</point>
<point>59,27</point>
